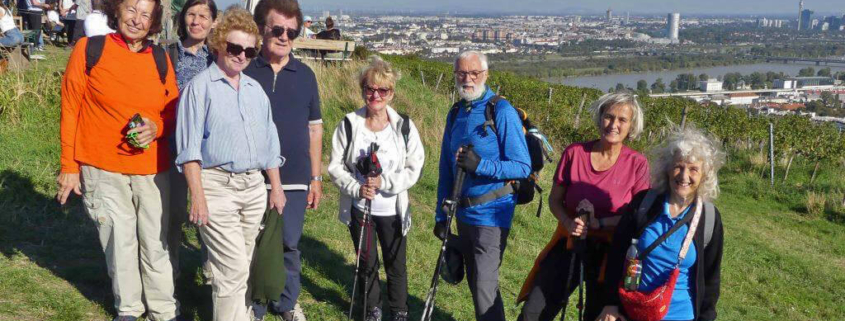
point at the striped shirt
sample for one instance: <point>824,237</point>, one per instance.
<point>226,128</point>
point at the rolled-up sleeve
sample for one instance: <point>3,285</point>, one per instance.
<point>274,150</point>
<point>190,126</point>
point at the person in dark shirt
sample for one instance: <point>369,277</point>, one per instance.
<point>330,33</point>
<point>295,100</point>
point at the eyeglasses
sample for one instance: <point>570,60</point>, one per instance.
<point>472,74</point>
<point>370,91</point>
<point>236,50</point>
<point>277,31</point>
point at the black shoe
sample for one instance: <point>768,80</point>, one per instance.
<point>288,316</point>
<point>400,316</point>
<point>374,314</point>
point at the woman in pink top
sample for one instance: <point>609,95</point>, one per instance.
<point>598,178</point>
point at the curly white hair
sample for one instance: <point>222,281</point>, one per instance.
<point>689,145</point>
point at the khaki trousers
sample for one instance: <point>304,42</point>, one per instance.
<point>131,220</point>
<point>236,205</point>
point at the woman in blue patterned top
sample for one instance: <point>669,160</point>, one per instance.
<point>190,56</point>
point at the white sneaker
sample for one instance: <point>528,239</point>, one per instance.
<point>297,313</point>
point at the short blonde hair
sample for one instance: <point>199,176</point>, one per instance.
<point>601,105</point>
<point>378,72</point>
<point>234,19</point>
<point>689,145</point>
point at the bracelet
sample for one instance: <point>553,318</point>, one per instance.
<point>317,178</point>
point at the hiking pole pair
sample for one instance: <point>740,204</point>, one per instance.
<point>579,253</point>
<point>369,167</point>
<point>450,205</point>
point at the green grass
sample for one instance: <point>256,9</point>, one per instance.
<point>779,263</point>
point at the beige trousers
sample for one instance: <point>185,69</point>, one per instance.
<point>236,204</point>
<point>131,217</point>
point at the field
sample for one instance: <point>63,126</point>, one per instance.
<point>784,250</point>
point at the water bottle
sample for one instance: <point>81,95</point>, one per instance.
<point>633,268</point>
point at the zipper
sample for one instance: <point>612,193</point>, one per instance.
<point>275,75</point>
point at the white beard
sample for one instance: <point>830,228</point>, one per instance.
<point>476,93</point>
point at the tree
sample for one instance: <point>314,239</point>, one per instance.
<point>620,87</point>
<point>658,86</point>
<point>807,72</point>
<point>824,72</point>
<point>827,98</point>
<point>731,80</point>
<point>703,77</point>
<point>673,86</point>
<point>642,86</point>
<point>758,80</point>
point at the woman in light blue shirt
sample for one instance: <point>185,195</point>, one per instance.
<point>225,137</point>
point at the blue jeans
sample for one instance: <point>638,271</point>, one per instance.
<point>11,38</point>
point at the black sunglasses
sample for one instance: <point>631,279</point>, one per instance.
<point>277,31</point>
<point>236,50</point>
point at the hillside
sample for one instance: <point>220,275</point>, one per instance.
<point>784,251</point>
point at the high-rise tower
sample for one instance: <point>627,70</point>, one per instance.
<point>673,25</point>
<point>800,9</point>
<point>609,15</point>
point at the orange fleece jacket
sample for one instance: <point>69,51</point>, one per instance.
<point>96,109</point>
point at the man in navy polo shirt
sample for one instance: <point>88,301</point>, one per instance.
<point>295,102</point>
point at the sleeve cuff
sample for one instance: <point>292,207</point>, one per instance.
<point>315,122</point>
<point>483,168</point>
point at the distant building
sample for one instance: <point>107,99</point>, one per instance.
<point>710,85</point>
<point>609,15</point>
<point>806,20</point>
<point>493,35</point>
<point>784,84</point>
<point>673,25</point>
<point>800,14</point>
<point>743,98</point>
<point>812,82</point>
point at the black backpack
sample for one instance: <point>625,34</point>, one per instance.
<point>539,150</point>
<point>405,130</point>
<point>94,50</point>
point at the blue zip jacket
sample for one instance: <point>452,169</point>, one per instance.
<point>504,157</point>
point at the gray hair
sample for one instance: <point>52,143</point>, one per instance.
<point>600,106</point>
<point>689,145</point>
<point>470,53</point>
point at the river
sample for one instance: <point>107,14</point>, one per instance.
<point>607,81</point>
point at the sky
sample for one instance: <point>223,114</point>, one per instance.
<point>585,6</point>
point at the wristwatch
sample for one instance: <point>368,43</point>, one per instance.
<point>317,178</point>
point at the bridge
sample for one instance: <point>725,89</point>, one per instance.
<point>817,61</point>
<point>753,91</point>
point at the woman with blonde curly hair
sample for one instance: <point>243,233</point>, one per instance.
<point>378,204</point>
<point>225,137</point>
<point>678,234</point>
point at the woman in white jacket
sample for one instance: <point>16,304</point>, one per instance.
<point>401,156</point>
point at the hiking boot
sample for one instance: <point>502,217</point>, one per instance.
<point>374,314</point>
<point>126,318</point>
<point>297,313</point>
<point>289,316</point>
<point>400,316</point>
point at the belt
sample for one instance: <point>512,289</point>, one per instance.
<point>223,171</point>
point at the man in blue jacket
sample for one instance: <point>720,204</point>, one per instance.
<point>487,207</point>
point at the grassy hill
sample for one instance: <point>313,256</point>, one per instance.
<point>784,249</point>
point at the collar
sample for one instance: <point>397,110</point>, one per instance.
<point>292,65</point>
<point>480,101</point>
<point>118,39</point>
<point>216,74</point>
<point>392,116</point>
<point>203,51</point>
<point>680,216</point>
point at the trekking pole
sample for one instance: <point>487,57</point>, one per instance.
<point>369,212</point>
<point>370,167</point>
<point>582,249</point>
<point>578,248</point>
<point>451,205</point>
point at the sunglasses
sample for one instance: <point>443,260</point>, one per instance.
<point>277,31</point>
<point>381,91</point>
<point>236,50</point>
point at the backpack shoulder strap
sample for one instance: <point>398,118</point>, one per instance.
<point>173,52</point>
<point>160,57</point>
<point>645,205</point>
<point>709,222</point>
<point>490,113</point>
<point>406,128</point>
<point>93,52</point>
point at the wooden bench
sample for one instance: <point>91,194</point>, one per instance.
<point>316,49</point>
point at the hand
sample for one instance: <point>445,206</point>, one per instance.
<point>146,133</point>
<point>199,210</point>
<point>67,182</point>
<point>315,194</point>
<point>575,227</point>
<point>611,313</point>
<point>367,192</point>
<point>440,230</point>
<point>585,206</point>
<point>277,200</point>
<point>468,159</point>
<point>374,181</point>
